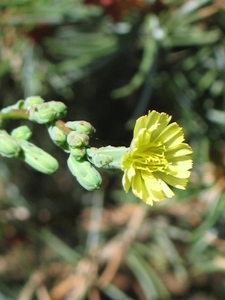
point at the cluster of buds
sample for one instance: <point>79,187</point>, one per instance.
<point>16,144</point>
<point>37,110</point>
<point>72,137</point>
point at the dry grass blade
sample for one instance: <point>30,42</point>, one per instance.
<point>77,284</point>
<point>42,293</point>
<point>35,281</point>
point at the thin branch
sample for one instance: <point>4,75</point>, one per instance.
<point>15,114</point>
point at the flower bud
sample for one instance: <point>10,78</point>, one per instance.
<point>21,133</point>
<point>88,177</point>
<point>18,105</point>
<point>32,100</point>
<point>77,139</point>
<point>81,126</point>
<point>8,145</point>
<point>41,113</point>
<point>106,157</point>
<point>47,112</point>
<point>78,153</point>
<point>37,158</point>
<point>57,135</point>
<point>59,108</point>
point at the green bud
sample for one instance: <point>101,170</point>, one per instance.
<point>32,100</point>
<point>8,145</point>
<point>21,133</point>
<point>59,108</point>
<point>41,113</point>
<point>57,135</point>
<point>77,139</point>
<point>78,153</point>
<point>106,157</point>
<point>47,112</point>
<point>18,105</point>
<point>88,177</point>
<point>81,126</point>
<point>37,158</point>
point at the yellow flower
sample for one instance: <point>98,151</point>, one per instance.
<point>156,159</point>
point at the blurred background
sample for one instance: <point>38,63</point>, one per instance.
<point>110,61</point>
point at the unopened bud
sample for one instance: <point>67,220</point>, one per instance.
<point>106,157</point>
<point>88,177</point>
<point>21,133</point>
<point>41,113</point>
<point>9,147</point>
<point>81,126</point>
<point>32,100</point>
<point>47,112</point>
<point>78,153</point>
<point>37,158</point>
<point>59,108</point>
<point>77,139</point>
<point>57,135</point>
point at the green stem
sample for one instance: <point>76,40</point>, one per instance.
<point>24,114</point>
<point>15,114</point>
<point>61,125</point>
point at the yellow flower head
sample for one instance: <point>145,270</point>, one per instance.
<point>157,158</point>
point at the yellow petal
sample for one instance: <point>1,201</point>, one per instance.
<point>126,182</point>
<point>179,183</point>
<point>167,191</point>
<point>172,135</point>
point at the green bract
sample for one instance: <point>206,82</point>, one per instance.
<point>8,145</point>
<point>21,133</point>
<point>38,158</point>
<point>85,173</point>
<point>106,157</point>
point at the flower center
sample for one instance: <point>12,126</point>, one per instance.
<point>151,158</point>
